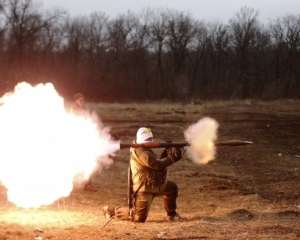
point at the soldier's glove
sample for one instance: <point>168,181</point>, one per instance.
<point>164,154</point>
<point>174,154</point>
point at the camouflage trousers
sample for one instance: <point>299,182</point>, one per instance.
<point>143,201</point>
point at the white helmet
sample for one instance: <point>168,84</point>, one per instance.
<point>144,135</point>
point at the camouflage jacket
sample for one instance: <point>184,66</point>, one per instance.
<point>149,172</point>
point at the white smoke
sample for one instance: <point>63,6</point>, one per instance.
<point>106,148</point>
<point>202,136</point>
<point>44,147</point>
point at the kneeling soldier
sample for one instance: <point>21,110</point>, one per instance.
<point>148,178</point>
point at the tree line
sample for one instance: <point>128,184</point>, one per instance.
<point>157,54</point>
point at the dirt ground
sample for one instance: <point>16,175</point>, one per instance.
<point>250,192</point>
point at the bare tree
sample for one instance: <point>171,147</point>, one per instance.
<point>96,45</point>
<point>198,50</point>
<point>76,36</point>
<point>2,24</point>
<point>51,34</point>
<point>138,43</point>
<point>119,31</point>
<point>286,39</point>
<point>244,28</point>
<point>154,55</point>
<point>180,33</point>
<point>25,23</point>
<point>219,40</point>
<point>158,36</point>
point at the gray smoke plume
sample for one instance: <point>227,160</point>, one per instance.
<point>202,136</point>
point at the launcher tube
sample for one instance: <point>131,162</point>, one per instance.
<point>230,143</point>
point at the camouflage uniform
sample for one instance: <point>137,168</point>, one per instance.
<point>149,177</point>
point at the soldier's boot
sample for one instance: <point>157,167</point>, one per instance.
<point>120,213</point>
<point>170,207</point>
<point>170,197</point>
<point>175,217</point>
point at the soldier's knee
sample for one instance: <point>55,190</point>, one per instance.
<point>141,214</point>
<point>141,210</point>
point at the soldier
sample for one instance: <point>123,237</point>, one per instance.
<point>79,103</point>
<point>149,180</point>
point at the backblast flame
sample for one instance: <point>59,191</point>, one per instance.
<point>44,147</point>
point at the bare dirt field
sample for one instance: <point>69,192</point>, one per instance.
<point>250,192</point>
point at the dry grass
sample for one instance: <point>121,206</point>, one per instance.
<point>247,193</point>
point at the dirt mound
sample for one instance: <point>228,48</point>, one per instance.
<point>289,214</point>
<point>241,215</point>
<point>276,229</point>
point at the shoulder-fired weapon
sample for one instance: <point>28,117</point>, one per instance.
<point>230,143</point>
<point>130,193</point>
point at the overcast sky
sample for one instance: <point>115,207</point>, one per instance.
<point>202,9</point>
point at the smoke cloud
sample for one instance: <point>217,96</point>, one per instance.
<point>44,147</point>
<point>202,136</point>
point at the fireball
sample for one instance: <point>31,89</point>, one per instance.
<point>44,147</point>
